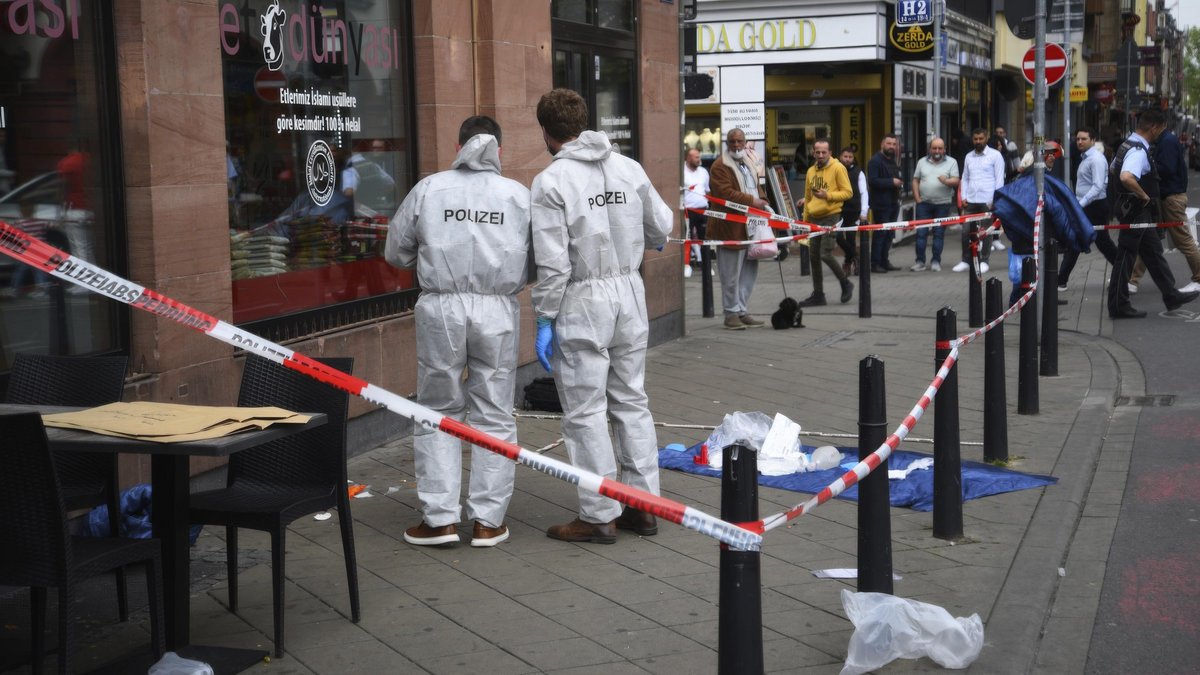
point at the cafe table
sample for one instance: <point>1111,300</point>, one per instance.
<point>169,480</point>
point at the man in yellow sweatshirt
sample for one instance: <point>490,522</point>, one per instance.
<point>825,188</point>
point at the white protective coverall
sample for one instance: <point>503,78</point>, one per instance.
<point>594,214</point>
<point>467,232</point>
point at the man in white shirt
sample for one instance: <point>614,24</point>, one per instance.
<point>983,172</point>
<point>1091,189</point>
<point>695,179</point>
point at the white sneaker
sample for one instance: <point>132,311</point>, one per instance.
<point>1132,288</point>
<point>1194,286</point>
<point>687,271</point>
<point>919,267</point>
<point>983,268</point>
<point>961,267</point>
<point>998,245</point>
<point>936,266</point>
<point>1062,288</point>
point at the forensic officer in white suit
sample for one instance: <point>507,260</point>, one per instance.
<point>467,231</point>
<point>594,214</point>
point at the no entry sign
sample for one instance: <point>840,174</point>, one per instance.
<point>1056,64</point>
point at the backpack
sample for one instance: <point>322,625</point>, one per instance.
<point>1121,202</point>
<point>541,394</point>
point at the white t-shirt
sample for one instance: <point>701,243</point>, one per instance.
<point>697,186</point>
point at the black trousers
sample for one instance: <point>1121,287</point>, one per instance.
<point>1130,245</point>
<point>985,243</point>
<point>1097,213</point>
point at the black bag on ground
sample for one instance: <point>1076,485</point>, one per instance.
<point>541,394</point>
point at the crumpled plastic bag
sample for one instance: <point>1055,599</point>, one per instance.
<point>748,428</point>
<point>174,664</point>
<point>887,628</point>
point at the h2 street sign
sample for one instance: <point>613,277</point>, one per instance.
<point>910,12</point>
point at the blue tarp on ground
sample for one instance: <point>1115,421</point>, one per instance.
<point>915,492</point>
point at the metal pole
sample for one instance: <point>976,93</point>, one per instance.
<point>995,405</point>
<point>1049,288</point>
<point>739,614</point>
<point>947,463</point>
<point>864,275</point>
<point>706,282</point>
<point>1067,143</point>
<point>938,12</point>
<point>1027,362</point>
<point>1039,123</point>
<point>874,508</point>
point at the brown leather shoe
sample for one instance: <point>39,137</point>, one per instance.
<point>639,521</point>
<point>424,535</point>
<point>488,536</point>
<point>578,530</point>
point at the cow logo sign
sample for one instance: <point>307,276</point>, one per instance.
<point>320,173</point>
<point>272,32</point>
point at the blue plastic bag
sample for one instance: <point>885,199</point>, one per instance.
<point>136,516</point>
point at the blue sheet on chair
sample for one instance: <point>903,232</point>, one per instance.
<point>915,491</point>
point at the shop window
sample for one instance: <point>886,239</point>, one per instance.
<point>59,173</point>
<point>594,54</point>
<point>318,113</point>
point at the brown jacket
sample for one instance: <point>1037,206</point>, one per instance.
<point>723,182</point>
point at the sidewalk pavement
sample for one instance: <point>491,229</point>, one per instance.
<point>1031,563</point>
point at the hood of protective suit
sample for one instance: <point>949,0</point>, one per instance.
<point>481,152</point>
<point>590,146</point>
<point>1016,203</point>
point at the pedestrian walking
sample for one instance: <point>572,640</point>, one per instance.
<point>1091,189</point>
<point>1171,160</point>
<point>826,189</point>
<point>1138,191</point>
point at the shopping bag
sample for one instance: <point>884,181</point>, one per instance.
<point>758,229</point>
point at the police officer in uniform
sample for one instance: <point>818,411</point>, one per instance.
<point>1137,186</point>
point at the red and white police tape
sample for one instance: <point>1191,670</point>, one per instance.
<point>873,460</point>
<point>1138,226</point>
<point>17,244</point>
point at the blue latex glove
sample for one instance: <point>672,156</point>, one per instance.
<point>544,343</point>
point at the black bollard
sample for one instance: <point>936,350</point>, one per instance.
<point>995,406</point>
<point>739,613</point>
<point>947,464</point>
<point>1049,286</point>
<point>974,291</point>
<point>874,506</point>
<point>1027,361</point>
<point>864,275</point>
<point>706,282</point>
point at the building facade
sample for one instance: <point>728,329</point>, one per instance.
<point>244,158</point>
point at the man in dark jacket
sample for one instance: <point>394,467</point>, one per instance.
<point>883,185</point>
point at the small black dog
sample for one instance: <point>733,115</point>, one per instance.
<point>789,315</point>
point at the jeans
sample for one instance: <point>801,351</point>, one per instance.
<point>881,240</point>
<point>927,210</point>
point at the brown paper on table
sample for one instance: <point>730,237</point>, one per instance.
<point>171,422</point>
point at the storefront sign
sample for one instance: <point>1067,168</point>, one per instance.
<point>1079,94</point>
<point>45,18</point>
<point>766,35</point>
<point>1102,71</point>
<point>751,118</point>
<point>916,84</point>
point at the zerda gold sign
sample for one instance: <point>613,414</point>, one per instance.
<point>912,39</point>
